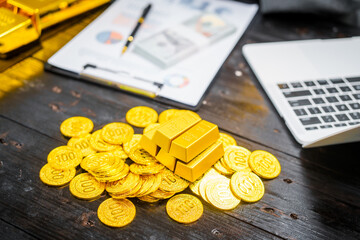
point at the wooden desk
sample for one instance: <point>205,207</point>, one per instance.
<point>316,195</point>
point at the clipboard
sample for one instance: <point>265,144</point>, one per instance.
<point>175,56</point>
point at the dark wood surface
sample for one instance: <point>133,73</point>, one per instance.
<point>316,195</point>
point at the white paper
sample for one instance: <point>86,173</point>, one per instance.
<point>102,41</point>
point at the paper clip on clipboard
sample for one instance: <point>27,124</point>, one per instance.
<point>121,79</point>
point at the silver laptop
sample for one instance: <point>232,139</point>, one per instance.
<point>314,85</point>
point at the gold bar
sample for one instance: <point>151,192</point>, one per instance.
<point>166,159</point>
<point>147,143</point>
<point>42,6</point>
<point>195,140</point>
<point>173,128</point>
<point>201,163</point>
<point>16,31</point>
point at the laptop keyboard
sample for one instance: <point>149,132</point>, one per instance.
<point>325,103</point>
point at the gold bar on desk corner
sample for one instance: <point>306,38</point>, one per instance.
<point>166,159</point>
<point>195,140</point>
<point>169,130</point>
<point>17,30</point>
<point>201,163</point>
<point>55,11</point>
<point>147,143</point>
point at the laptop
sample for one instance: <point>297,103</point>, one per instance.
<point>314,85</point>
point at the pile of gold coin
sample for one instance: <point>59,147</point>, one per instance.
<point>236,176</point>
<point>112,160</point>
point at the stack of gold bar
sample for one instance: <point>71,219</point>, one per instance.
<point>21,21</point>
<point>185,144</point>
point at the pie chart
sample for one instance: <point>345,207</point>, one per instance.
<point>109,37</point>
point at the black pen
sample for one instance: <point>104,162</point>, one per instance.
<point>140,21</point>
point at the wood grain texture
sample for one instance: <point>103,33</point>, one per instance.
<point>316,195</point>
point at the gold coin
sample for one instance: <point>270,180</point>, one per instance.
<point>98,160</point>
<point>167,115</point>
<point>211,173</point>
<point>119,152</point>
<point>56,177</point>
<point>194,186</point>
<point>264,164</point>
<point>130,192</point>
<point>85,186</point>
<point>151,127</point>
<point>222,168</point>
<point>188,111</point>
<point>123,185</point>
<point>83,144</point>
<point>184,208</point>
<point>116,212</point>
<point>97,143</point>
<point>141,156</point>
<point>76,126</point>
<point>147,182</point>
<point>155,186</point>
<point>160,194</point>
<point>134,142</point>
<point>141,116</point>
<point>218,193</point>
<point>117,133</point>
<point>64,157</point>
<point>148,198</point>
<point>227,140</point>
<point>237,158</point>
<point>247,186</point>
<point>146,169</point>
<point>171,182</point>
<point>115,176</point>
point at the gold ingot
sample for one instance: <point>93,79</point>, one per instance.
<point>83,144</point>
<point>227,140</point>
<point>148,144</point>
<point>192,142</point>
<point>236,158</point>
<point>97,143</point>
<point>42,6</point>
<point>64,157</point>
<point>17,31</point>
<point>56,177</point>
<point>184,208</point>
<point>166,159</point>
<point>201,163</point>
<point>76,126</point>
<point>141,116</point>
<point>67,11</point>
<point>218,193</point>
<point>172,183</point>
<point>116,212</point>
<point>85,186</point>
<point>169,130</point>
<point>117,133</point>
<point>247,186</point>
<point>264,164</point>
